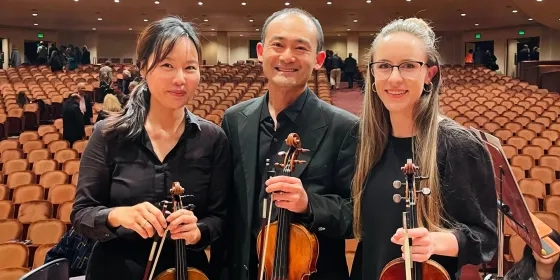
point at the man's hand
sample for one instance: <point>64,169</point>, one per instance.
<point>288,193</point>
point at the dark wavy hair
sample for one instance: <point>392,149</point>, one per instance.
<point>157,39</point>
<point>525,268</point>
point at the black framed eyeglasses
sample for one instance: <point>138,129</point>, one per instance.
<point>408,69</point>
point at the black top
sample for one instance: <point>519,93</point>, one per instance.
<point>73,120</point>
<point>468,194</point>
<point>126,173</point>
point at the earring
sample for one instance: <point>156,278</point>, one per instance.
<point>431,87</point>
<point>373,87</point>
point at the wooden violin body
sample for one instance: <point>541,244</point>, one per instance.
<point>301,264</point>
<point>191,274</point>
<point>431,270</point>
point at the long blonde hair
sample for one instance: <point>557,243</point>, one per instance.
<point>375,127</point>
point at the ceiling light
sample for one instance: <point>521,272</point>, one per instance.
<point>241,35</point>
<point>348,29</point>
<point>328,3</point>
<point>200,3</point>
<point>243,3</point>
<point>355,20</point>
<point>530,19</point>
<point>94,28</point>
<point>476,24</point>
<point>35,24</point>
<point>145,19</point>
<point>463,14</point>
<point>287,3</point>
<point>539,0</point>
<point>408,0</point>
<point>514,11</point>
<point>368,1</point>
<point>130,29</point>
<point>117,1</point>
<point>257,29</point>
<point>371,34</point>
<point>76,0</point>
<point>34,15</point>
<point>157,2</point>
<point>250,20</point>
<point>212,29</point>
<point>206,19</point>
<point>99,18</point>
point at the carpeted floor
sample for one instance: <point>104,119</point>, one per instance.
<point>348,99</point>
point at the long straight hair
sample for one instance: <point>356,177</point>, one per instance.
<point>157,40</point>
<point>375,127</point>
<point>525,268</point>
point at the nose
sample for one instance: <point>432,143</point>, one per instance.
<point>179,78</point>
<point>287,57</point>
<point>395,76</point>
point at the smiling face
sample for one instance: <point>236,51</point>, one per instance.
<point>289,53</point>
<point>174,80</point>
<point>400,88</point>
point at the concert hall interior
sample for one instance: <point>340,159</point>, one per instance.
<point>501,74</point>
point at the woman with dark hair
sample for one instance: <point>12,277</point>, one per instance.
<point>534,267</point>
<point>134,157</point>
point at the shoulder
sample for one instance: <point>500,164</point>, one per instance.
<point>338,117</point>
<point>239,107</point>
<point>211,131</point>
<point>457,140</point>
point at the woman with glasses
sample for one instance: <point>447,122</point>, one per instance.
<point>401,120</point>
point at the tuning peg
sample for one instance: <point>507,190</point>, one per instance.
<point>397,184</point>
<point>190,207</point>
<point>267,162</point>
<point>422,178</point>
<point>397,198</point>
<point>299,161</point>
<point>302,150</point>
<point>282,153</point>
<point>425,191</point>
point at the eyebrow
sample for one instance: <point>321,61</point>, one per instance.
<point>404,60</point>
<point>190,61</point>
<point>299,40</point>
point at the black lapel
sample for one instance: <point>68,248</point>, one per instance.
<point>248,136</point>
<point>311,128</point>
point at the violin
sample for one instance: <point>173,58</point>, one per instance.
<point>287,251</point>
<point>181,270</point>
<point>405,268</point>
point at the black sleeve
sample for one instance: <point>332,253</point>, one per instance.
<point>211,227</point>
<point>89,213</point>
<point>470,200</point>
<point>331,214</point>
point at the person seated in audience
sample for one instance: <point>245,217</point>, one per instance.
<point>72,119</point>
<point>534,267</point>
<point>22,99</point>
<point>133,159</point>
<point>111,104</point>
<point>75,248</point>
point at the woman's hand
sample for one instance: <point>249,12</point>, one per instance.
<point>182,225</point>
<point>142,218</point>
<point>423,244</point>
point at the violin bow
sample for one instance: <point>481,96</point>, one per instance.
<point>266,222</point>
<point>163,205</point>
<point>160,247</point>
<point>407,255</point>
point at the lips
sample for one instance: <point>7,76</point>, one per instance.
<point>177,92</point>
<point>396,92</point>
<point>284,69</point>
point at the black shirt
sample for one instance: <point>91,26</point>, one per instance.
<point>117,173</point>
<point>468,195</point>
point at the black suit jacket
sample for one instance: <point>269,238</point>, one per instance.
<point>330,135</point>
<point>72,121</point>
<point>88,114</point>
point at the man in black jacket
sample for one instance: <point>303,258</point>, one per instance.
<point>317,192</point>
